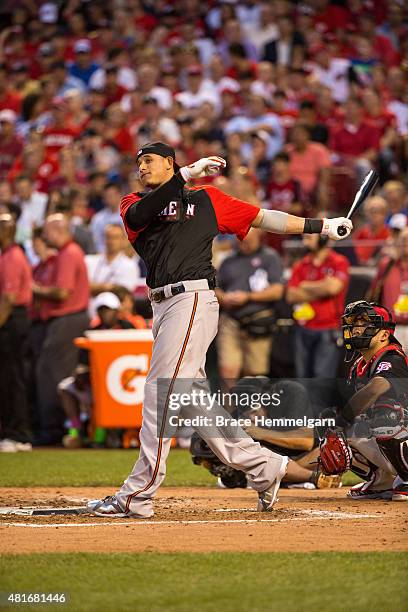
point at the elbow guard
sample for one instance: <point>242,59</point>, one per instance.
<point>274,221</point>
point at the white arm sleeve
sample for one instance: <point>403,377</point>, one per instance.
<point>274,221</point>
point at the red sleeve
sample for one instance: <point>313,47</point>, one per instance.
<point>233,216</point>
<point>342,270</point>
<point>125,204</point>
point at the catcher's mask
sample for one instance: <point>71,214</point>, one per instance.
<point>372,317</point>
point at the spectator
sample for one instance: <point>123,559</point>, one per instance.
<point>15,297</point>
<point>288,47</point>
<point>147,77</point>
<point>332,72</point>
<point>76,391</point>
<point>390,286</point>
<point>42,167</point>
<point>198,90</point>
<point>32,204</point>
<point>112,268</point>
<point>256,118</point>
<point>318,288</point>
<point>356,142</point>
<point>249,284</point>
<point>308,116</point>
<point>396,197</point>
<point>126,75</point>
<point>157,127</point>
<point>127,308</point>
<point>68,296</point>
<point>58,133</point>
<point>116,132</point>
<point>65,82</point>
<point>375,231</point>
<point>9,99</point>
<point>81,234</point>
<point>10,144</point>
<point>310,165</point>
<point>259,34</point>
<point>109,215</point>
<point>83,67</point>
<point>284,192</point>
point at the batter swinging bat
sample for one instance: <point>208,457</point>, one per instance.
<point>362,194</point>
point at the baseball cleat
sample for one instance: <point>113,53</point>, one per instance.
<point>266,499</point>
<point>400,493</point>
<point>7,446</point>
<point>12,446</point>
<point>109,506</point>
<point>358,492</point>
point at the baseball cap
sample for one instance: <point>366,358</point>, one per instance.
<point>82,45</point>
<point>107,299</point>
<point>48,13</point>
<point>158,148</point>
<point>8,115</point>
<point>398,221</point>
<point>46,49</point>
<point>389,320</point>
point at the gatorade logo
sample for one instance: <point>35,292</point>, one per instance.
<point>126,377</point>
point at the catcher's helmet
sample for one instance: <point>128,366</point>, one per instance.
<point>375,317</point>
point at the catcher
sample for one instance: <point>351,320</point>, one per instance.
<point>375,444</point>
<point>300,444</point>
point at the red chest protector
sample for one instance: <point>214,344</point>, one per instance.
<point>363,369</point>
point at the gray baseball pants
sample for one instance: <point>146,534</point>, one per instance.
<point>183,328</point>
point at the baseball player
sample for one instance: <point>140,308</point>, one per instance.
<point>378,406</point>
<point>172,228</point>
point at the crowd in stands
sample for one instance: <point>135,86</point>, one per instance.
<point>301,98</point>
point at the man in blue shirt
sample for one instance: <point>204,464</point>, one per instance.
<point>83,66</point>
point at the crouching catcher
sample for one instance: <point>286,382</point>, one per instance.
<point>375,440</point>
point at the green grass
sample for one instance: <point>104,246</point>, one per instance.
<point>81,468</point>
<point>273,582</point>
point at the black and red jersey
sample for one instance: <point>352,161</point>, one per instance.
<point>172,228</point>
<point>390,363</point>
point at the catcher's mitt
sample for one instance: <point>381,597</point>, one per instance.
<point>335,453</point>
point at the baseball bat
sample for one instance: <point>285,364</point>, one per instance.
<point>362,194</point>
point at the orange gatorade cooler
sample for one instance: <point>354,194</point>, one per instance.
<point>119,361</point>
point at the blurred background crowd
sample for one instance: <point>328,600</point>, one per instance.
<point>301,98</point>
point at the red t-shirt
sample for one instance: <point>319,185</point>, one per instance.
<point>355,142</point>
<point>46,172</point>
<point>394,285</point>
<point>70,273</point>
<point>381,122</point>
<point>8,153</point>
<point>327,310</point>
<point>15,275</point>
<point>55,138</point>
<point>364,253</point>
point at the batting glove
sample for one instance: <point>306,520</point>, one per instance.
<point>331,227</point>
<point>203,167</point>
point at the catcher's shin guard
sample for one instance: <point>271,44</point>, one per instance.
<point>396,451</point>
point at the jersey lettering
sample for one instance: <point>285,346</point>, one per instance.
<point>384,365</point>
<point>171,212</point>
<point>190,210</point>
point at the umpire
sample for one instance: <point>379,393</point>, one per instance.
<point>15,296</point>
<point>67,297</point>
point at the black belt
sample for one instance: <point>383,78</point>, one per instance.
<point>159,295</point>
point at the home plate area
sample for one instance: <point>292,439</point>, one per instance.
<point>198,520</point>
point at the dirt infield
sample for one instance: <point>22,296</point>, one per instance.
<point>204,520</point>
